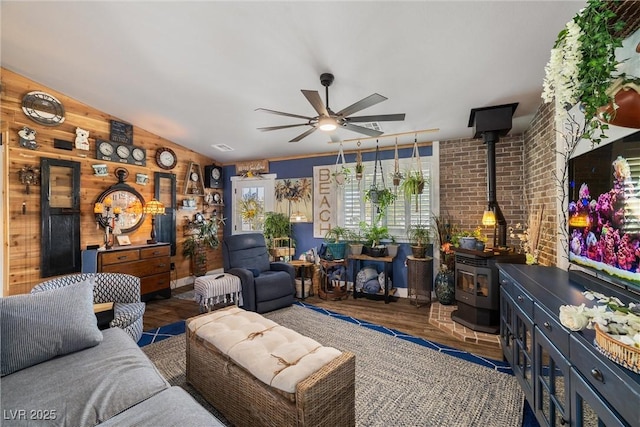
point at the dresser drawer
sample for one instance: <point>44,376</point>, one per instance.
<point>155,252</point>
<point>155,283</point>
<point>620,395</point>
<point>522,300</point>
<point>142,268</point>
<point>118,257</point>
<point>551,328</point>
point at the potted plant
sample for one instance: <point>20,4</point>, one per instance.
<point>396,177</point>
<point>391,245</point>
<point>203,236</point>
<point>336,240</point>
<point>372,235</point>
<point>359,166</point>
<point>419,237</point>
<point>413,185</point>
<point>382,198</point>
<point>277,230</point>
<point>342,175</point>
<point>354,239</point>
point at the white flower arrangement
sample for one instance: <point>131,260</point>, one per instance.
<point>612,316</point>
<point>561,72</point>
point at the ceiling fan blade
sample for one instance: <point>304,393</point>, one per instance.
<point>361,129</point>
<point>367,102</point>
<point>303,135</point>
<point>376,118</point>
<point>280,113</point>
<point>282,127</point>
<point>314,99</point>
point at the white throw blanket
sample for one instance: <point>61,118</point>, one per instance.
<point>213,289</point>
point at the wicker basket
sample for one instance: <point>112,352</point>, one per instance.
<point>622,354</point>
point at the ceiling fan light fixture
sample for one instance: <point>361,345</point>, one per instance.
<point>327,124</point>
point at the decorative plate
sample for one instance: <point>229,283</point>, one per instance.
<point>43,108</point>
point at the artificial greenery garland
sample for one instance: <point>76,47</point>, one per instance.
<point>583,64</point>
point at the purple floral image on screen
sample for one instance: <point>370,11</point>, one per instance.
<point>605,228</point>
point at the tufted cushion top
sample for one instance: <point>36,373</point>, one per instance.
<point>277,356</point>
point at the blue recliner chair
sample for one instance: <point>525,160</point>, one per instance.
<point>266,285</point>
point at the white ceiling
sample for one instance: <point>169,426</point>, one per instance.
<point>194,72</point>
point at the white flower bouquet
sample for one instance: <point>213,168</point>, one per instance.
<point>617,327</point>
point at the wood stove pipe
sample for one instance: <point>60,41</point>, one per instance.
<point>491,138</point>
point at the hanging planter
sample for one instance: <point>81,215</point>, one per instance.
<point>413,184</point>
<point>397,175</point>
<point>359,166</point>
<point>381,197</point>
<point>342,174</point>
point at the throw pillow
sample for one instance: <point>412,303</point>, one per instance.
<point>255,272</point>
<point>38,327</point>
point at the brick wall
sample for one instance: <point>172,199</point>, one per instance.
<point>539,179</point>
<point>463,182</point>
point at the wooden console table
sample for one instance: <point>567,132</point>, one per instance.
<point>388,267</point>
<point>151,263</point>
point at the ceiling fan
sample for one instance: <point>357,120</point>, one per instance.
<point>328,121</point>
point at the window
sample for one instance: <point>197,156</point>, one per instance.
<point>400,214</point>
<point>252,197</point>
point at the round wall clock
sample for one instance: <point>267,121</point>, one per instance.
<point>43,108</point>
<point>166,158</point>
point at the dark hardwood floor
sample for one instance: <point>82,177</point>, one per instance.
<point>400,315</point>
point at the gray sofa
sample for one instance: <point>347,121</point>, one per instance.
<point>58,369</point>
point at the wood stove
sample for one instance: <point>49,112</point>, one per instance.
<point>478,288</point>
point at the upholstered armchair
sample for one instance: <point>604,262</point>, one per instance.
<point>121,289</point>
<point>266,285</point>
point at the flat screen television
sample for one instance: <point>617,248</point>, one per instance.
<point>604,211</point>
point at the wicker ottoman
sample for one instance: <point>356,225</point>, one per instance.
<point>318,393</point>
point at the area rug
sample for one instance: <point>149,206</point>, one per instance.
<point>162,333</point>
<point>398,382</point>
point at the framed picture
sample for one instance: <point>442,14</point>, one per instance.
<point>123,240</point>
<point>294,198</point>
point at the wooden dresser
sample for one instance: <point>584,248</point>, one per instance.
<point>151,263</point>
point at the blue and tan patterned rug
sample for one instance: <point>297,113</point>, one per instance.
<point>400,379</point>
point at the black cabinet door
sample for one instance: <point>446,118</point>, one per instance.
<point>165,192</point>
<point>60,217</point>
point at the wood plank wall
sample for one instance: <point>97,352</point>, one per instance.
<point>23,237</point>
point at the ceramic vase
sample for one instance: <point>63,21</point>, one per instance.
<point>445,287</point>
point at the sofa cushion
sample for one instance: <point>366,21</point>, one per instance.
<point>38,327</point>
<point>87,387</point>
<point>172,407</point>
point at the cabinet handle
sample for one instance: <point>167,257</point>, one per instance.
<point>122,257</point>
<point>156,253</point>
<point>520,298</point>
<point>595,373</point>
<point>547,325</point>
<point>161,265</point>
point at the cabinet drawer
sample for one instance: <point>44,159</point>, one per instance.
<point>551,328</point>
<point>141,268</point>
<point>155,283</point>
<point>620,395</point>
<point>119,256</point>
<point>522,300</point>
<point>155,252</point>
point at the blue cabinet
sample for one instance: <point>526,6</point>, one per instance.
<point>564,377</point>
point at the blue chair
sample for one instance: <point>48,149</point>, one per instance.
<point>266,285</point>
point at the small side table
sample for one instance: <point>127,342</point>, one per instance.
<point>301,266</point>
<point>419,280</point>
<point>335,289</point>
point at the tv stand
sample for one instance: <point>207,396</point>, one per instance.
<point>566,380</point>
